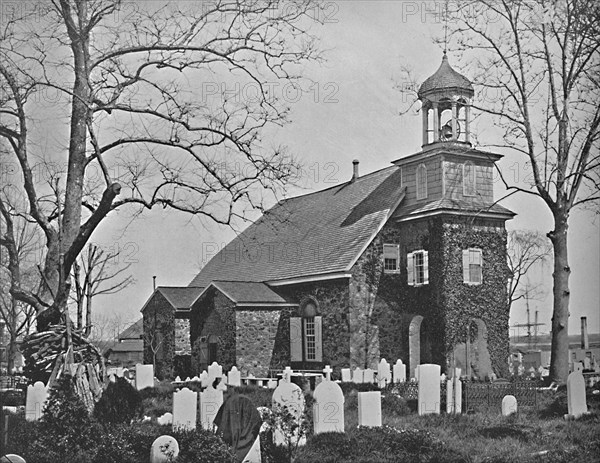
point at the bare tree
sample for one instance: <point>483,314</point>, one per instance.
<point>20,244</point>
<point>537,63</point>
<point>527,250</point>
<point>94,273</point>
<point>149,94</point>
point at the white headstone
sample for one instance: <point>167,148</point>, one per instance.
<point>177,379</point>
<point>164,449</point>
<point>288,395</point>
<point>454,392</point>
<point>272,383</point>
<point>509,405</point>
<point>357,376</point>
<point>328,370</point>
<point>167,418</point>
<point>195,379</point>
<point>369,408</point>
<point>576,400</point>
<point>429,389</point>
<point>254,454</point>
<point>234,377</point>
<point>587,363</point>
<point>369,376</point>
<point>399,372</point>
<point>384,373</point>
<point>222,386</point>
<point>328,408</point>
<point>12,458</point>
<point>185,405</point>
<point>214,371</point>
<point>144,376</point>
<point>204,379</point>
<point>346,375</point>
<point>210,402</point>
<point>35,401</point>
<point>121,372</point>
<point>287,374</point>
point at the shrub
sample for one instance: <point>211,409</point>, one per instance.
<point>201,446</point>
<point>395,405</point>
<point>120,403</point>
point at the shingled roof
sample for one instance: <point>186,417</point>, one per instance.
<point>180,297</point>
<point>445,78</point>
<point>248,293</point>
<point>315,234</point>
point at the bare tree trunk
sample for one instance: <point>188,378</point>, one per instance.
<point>559,365</point>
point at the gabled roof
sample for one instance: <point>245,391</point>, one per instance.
<point>134,331</point>
<point>179,297</point>
<point>314,234</point>
<point>248,293</point>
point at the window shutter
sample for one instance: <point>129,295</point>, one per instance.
<point>295,339</point>
<point>480,261</point>
<point>410,269</point>
<point>465,265</point>
<point>425,267</point>
<point>318,339</point>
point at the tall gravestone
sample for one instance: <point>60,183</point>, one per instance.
<point>357,376</point>
<point>429,389</point>
<point>369,376</point>
<point>454,393</point>
<point>214,371</point>
<point>576,400</point>
<point>185,409</point>
<point>35,401</point>
<point>384,373</point>
<point>234,378</point>
<point>288,397</point>
<point>509,405</point>
<point>144,376</point>
<point>399,372</point>
<point>165,449</point>
<point>328,408</point>
<point>346,375</point>
<point>210,402</point>
<point>369,409</point>
<point>204,379</point>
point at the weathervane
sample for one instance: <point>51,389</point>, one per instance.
<point>446,27</point>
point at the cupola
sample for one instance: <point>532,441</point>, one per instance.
<point>446,100</point>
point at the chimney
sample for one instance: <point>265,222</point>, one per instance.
<point>354,169</point>
<point>154,283</point>
<point>585,343</point>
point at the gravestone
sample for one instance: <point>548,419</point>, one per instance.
<point>234,378</point>
<point>384,373</point>
<point>369,376</point>
<point>399,372</point>
<point>167,418</point>
<point>210,402</point>
<point>509,405</point>
<point>369,409</point>
<point>12,458</point>
<point>587,363</point>
<point>289,396</point>
<point>164,449</point>
<point>35,401</point>
<point>357,376</point>
<point>222,386</point>
<point>429,389</point>
<point>346,375</point>
<point>185,404</point>
<point>328,408</point>
<point>204,379</point>
<point>272,384</point>
<point>144,376</point>
<point>214,371</point>
<point>286,375</point>
<point>576,400</point>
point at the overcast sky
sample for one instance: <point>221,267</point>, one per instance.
<point>352,111</point>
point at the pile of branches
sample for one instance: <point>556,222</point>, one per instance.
<point>48,353</point>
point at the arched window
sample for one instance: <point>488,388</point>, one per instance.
<point>421,181</point>
<point>306,333</point>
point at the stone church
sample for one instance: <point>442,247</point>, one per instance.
<point>406,262</point>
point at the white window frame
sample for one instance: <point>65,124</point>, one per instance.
<point>414,261</point>
<point>391,252</point>
<point>421,181</point>
<point>469,187</point>
<point>472,263</point>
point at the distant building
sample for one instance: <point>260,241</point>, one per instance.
<point>129,348</point>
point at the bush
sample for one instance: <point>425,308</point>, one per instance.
<point>120,403</point>
<point>201,446</point>
<point>395,405</point>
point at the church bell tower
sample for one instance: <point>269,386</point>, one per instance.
<point>446,106</point>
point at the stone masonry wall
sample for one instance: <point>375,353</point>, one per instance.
<point>182,336</point>
<point>159,335</point>
<point>256,331</point>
